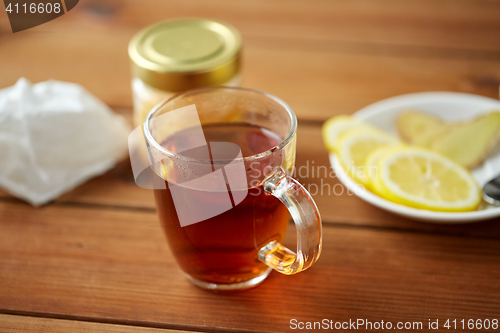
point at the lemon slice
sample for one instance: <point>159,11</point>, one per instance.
<point>355,145</point>
<point>335,126</point>
<point>371,167</point>
<point>424,179</point>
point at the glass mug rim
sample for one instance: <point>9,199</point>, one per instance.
<point>270,151</point>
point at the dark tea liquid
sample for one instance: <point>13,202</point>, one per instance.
<point>223,249</point>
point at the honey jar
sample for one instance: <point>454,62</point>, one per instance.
<point>181,54</point>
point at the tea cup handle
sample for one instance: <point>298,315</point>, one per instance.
<point>307,220</point>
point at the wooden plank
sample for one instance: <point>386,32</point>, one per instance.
<point>336,204</point>
<point>317,78</point>
<point>21,324</point>
<point>453,24</point>
<point>459,25</point>
<point>319,85</point>
<point>115,265</point>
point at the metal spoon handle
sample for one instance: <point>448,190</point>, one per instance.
<point>491,191</point>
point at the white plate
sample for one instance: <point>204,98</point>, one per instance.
<point>449,106</point>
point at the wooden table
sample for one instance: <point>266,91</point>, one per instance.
<point>96,260</point>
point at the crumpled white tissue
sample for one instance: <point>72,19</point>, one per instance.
<point>53,137</point>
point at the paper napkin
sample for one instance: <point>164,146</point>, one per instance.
<point>53,137</point>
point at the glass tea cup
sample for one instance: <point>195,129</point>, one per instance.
<point>222,159</point>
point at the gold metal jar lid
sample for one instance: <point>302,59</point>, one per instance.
<point>181,54</point>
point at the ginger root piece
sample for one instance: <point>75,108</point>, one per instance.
<point>468,143</point>
<point>418,127</point>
